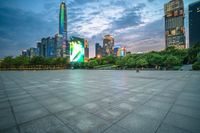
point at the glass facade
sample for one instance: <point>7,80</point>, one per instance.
<point>194,23</point>
<point>174,24</point>
<point>98,50</point>
<point>63,20</point>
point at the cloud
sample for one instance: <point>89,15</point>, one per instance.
<point>151,0</point>
<point>131,17</point>
<point>20,30</point>
<point>137,24</point>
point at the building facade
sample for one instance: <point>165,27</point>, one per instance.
<point>119,51</point>
<point>62,46</point>
<point>194,23</point>
<point>86,50</point>
<point>98,50</point>
<point>34,52</point>
<point>26,52</point>
<point>51,47</point>
<point>108,45</point>
<point>174,24</point>
<point>63,19</point>
<point>47,47</point>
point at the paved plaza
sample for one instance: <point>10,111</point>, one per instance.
<point>97,101</point>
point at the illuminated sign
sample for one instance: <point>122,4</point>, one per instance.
<point>76,49</point>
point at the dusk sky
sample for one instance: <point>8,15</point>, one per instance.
<point>136,24</point>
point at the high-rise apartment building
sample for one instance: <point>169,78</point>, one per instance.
<point>174,24</point>
<point>108,45</point>
<point>194,23</point>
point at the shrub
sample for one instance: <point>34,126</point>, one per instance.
<point>196,66</point>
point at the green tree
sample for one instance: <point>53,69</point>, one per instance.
<point>193,52</point>
<point>196,66</point>
<point>37,60</point>
<point>21,61</point>
<point>142,62</point>
<point>120,62</point>
<point>155,60</point>
<point>131,63</point>
<point>8,62</point>
<point>198,57</point>
<point>92,63</point>
<point>172,61</point>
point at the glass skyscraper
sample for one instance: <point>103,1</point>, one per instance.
<point>194,23</point>
<point>63,19</point>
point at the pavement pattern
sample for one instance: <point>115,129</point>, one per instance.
<point>99,101</point>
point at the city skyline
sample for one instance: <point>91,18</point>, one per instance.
<point>138,25</point>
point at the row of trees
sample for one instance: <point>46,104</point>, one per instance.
<point>169,58</point>
<point>35,62</point>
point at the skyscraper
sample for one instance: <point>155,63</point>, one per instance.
<point>194,23</point>
<point>98,50</point>
<point>61,39</point>
<point>174,24</point>
<point>108,45</point>
<point>63,19</point>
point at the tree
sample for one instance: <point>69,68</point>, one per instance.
<point>198,57</point>
<point>131,63</point>
<point>142,62</point>
<point>92,63</point>
<point>7,62</point>
<point>37,60</point>
<point>110,59</point>
<point>196,66</point>
<point>21,61</point>
<point>193,52</point>
<point>155,60</point>
<point>120,62</point>
<point>172,61</point>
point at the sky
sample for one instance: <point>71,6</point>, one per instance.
<point>136,24</point>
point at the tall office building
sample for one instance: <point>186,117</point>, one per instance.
<point>63,19</point>
<point>61,38</point>
<point>51,47</point>
<point>43,47</point>
<point>108,45</point>
<point>98,50</point>
<point>194,23</point>
<point>39,46</point>
<point>47,47</point>
<point>174,24</point>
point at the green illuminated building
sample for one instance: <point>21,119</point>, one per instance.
<point>63,19</point>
